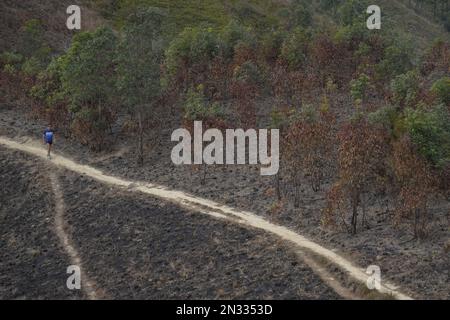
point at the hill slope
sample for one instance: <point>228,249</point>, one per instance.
<point>260,13</point>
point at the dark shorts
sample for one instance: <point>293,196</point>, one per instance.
<point>49,142</point>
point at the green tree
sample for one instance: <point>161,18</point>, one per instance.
<point>197,107</point>
<point>429,129</point>
<point>441,88</point>
<point>139,58</point>
<point>31,38</point>
<point>190,53</point>
<point>295,48</point>
<point>396,59</point>
<point>359,87</point>
<point>329,5</point>
<point>48,89</point>
<point>299,15</point>
<point>33,46</point>
<point>233,34</point>
<point>405,88</point>
<point>352,11</point>
<point>88,79</point>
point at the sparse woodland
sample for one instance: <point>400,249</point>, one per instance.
<point>363,115</point>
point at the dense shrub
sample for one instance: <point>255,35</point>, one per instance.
<point>192,46</point>
<point>429,130</point>
<point>11,58</point>
<point>233,34</point>
<point>396,59</point>
<point>31,38</point>
<point>48,85</point>
<point>295,48</point>
<point>441,88</point>
<point>385,117</point>
<point>359,87</point>
<point>299,15</point>
<point>352,11</point>
<point>405,88</point>
<point>197,108</point>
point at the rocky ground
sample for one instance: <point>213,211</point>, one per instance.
<point>421,268</point>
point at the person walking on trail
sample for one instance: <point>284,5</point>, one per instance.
<point>48,139</point>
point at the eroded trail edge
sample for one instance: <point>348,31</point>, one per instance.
<point>213,209</point>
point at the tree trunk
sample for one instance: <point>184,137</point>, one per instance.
<point>355,202</point>
<point>140,140</point>
<point>416,223</point>
<point>277,186</point>
<point>297,186</point>
<point>354,218</point>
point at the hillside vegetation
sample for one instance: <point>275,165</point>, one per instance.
<point>364,114</point>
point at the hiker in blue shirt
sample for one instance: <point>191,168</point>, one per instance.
<point>48,139</point>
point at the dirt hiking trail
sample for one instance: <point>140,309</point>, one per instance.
<point>210,208</point>
<point>61,227</point>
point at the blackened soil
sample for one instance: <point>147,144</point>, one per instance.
<point>134,246</point>
<point>32,262</point>
<point>420,268</point>
<point>137,247</point>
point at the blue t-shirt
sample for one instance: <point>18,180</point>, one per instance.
<point>48,135</point>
